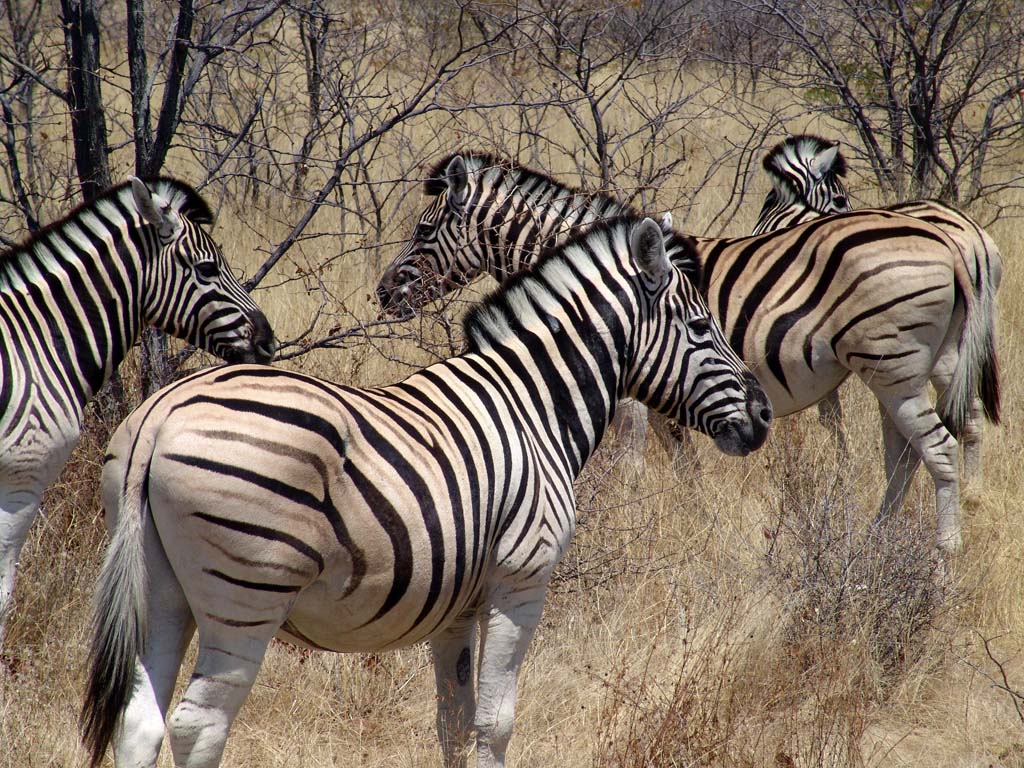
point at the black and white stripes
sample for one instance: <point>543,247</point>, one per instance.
<point>874,293</point>
<point>805,172</point>
<point>261,502</point>
<point>74,298</point>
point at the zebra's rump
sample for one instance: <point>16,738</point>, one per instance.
<point>309,507</point>
<point>869,292</point>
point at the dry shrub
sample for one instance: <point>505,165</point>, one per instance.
<point>791,659</point>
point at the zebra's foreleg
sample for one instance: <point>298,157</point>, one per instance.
<point>229,659</point>
<point>17,511</point>
<point>631,426</point>
<point>506,630</point>
<point>919,424</point>
<point>453,651</point>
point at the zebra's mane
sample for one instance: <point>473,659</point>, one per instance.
<point>681,247</point>
<point>181,197</point>
<point>502,312</point>
<point>480,161</point>
<point>802,145</point>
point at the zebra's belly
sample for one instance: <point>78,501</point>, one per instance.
<point>321,619</point>
<point>796,387</point>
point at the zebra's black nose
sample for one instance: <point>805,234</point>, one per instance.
<point>263,342</point>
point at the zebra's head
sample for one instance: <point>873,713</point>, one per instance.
<point>441,255</point>
<point>190,292</point>
<point>807,169</point>
<point>681,364</point>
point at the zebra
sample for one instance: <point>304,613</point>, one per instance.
<point>873,293</point>
<point>73,299</point>
<point>255,501</point>
<point>806,174</point>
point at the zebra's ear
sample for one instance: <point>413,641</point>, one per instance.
<point>154,210</point>
<point>666,222</point>
<point>821,163</point>
<point>457,177</point>
<point>145,202</point>
<point>647,246</point>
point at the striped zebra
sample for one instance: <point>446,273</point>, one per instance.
<point>806,173</point>
<point>73,299</point>
<point>873,293</point>
<point>253,502</point>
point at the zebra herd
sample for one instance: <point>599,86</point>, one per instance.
<point>878,294</point>
<point>248,502</point>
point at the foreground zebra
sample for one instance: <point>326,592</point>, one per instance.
<point>256,502</point>
<point>873,293</point>
<point>73,300</point>
<point>806,173</point>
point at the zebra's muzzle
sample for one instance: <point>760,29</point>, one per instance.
<point>744,433</point>
<point>258,348</point>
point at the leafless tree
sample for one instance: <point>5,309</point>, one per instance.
<point>931,90</point>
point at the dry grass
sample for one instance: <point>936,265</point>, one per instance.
<point>737,613</point>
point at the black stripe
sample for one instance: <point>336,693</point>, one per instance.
<point>255,585</point>
<point>263,532</point>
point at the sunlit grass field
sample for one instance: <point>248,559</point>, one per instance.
<point>711,612</point>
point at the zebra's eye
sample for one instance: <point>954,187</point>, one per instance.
<point>423,231</point>
<point>840,202</point>
<point>699,325</point>
<point>206,269</point>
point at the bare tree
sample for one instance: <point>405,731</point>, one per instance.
<point>932,90</point>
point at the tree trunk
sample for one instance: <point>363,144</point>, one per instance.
<point>88,127</point>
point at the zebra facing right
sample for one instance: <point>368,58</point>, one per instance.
<point>250,502</point>
<point>73,299</point>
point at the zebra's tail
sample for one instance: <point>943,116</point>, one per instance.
<point>119,621</point>
<point>977,369</point>
<point>990,390</point>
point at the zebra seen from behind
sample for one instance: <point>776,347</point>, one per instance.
<point>873,293</point>
<point>806,173</point>
<point>255,502</point>
<point>73,299</point>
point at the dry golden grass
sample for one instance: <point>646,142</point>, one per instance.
<point>736,613</point>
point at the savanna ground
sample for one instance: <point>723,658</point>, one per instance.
<point>726,612</point>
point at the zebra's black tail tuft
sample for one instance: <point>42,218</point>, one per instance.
<point>990,390</point>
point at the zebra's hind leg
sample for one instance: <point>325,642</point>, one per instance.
<point>168,631</point>
<point>901,463</point>
<point>970,444</point>
<point>917,422</point>
<point>507,628</point>
<point>970,439</point>
<point>453,652</point>
<point>830,415</point>
<point>229,659</point>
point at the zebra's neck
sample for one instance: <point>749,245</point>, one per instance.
<point>518,214</point>
<point>778,213</point>
<point>83,278</point>
<point>526,213</point>
<point>564,374</point>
